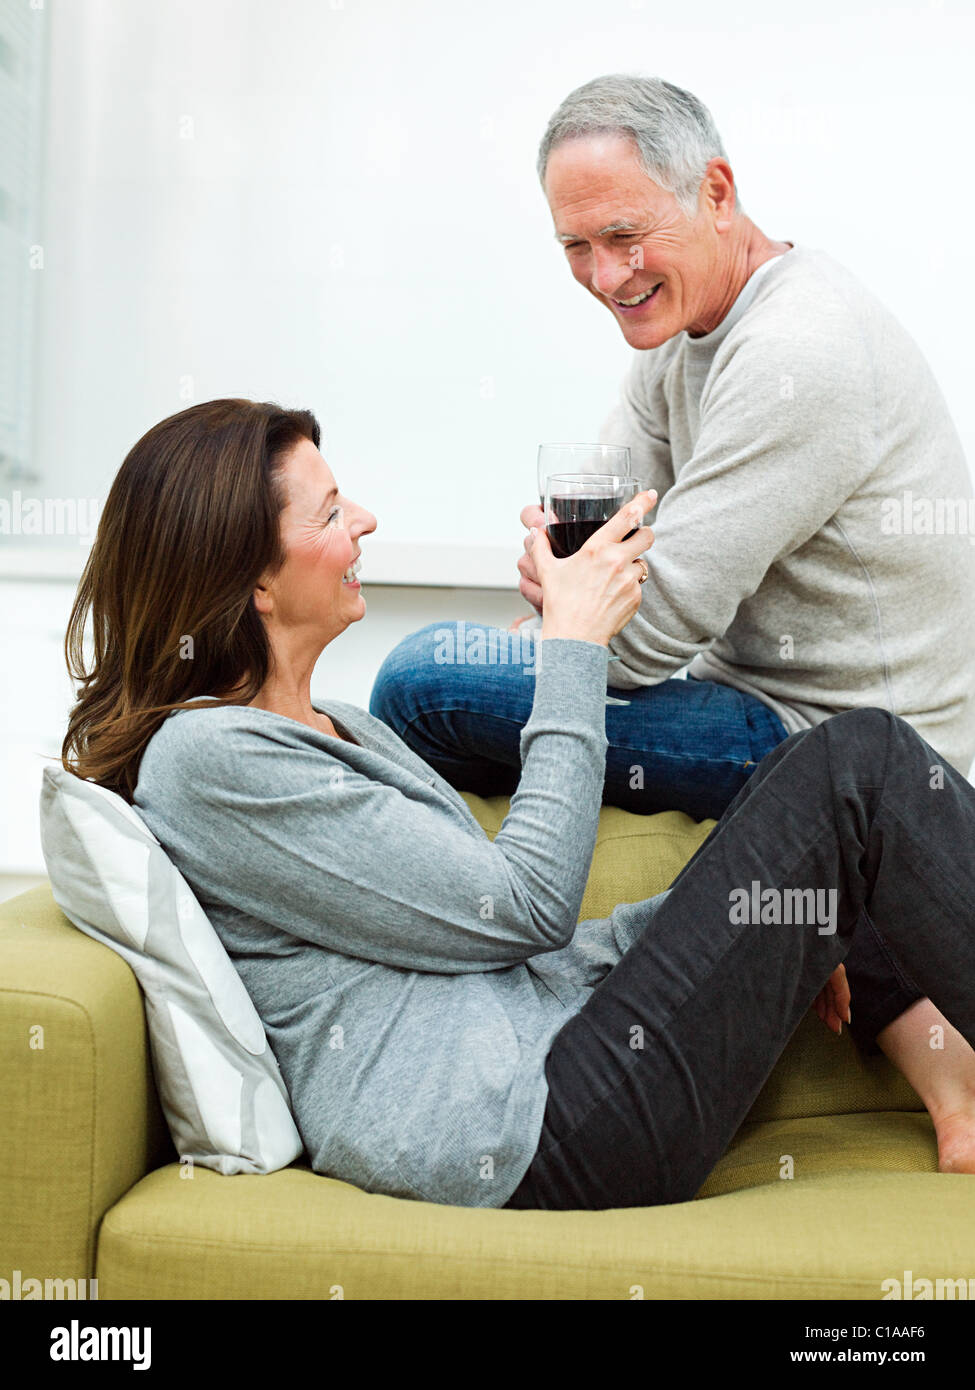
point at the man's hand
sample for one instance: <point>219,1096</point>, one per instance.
<point>832,1003</point>
<point>528,584</point>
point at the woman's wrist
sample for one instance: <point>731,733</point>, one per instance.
<point>567,632</point>
<point>570,673</point>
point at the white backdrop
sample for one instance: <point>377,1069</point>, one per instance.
<point>333,203</point>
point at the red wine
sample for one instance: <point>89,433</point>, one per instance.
<point>578,518</point>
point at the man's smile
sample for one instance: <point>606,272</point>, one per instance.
<point>637,302</point>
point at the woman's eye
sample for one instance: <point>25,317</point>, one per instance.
<point>335,513</point>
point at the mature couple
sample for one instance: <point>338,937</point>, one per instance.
<point>773,407</point>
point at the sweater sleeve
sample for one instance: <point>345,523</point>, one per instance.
<point>263,819</point>
<point>639,420</point>
<point>786,436</point>
<point>597,945</point>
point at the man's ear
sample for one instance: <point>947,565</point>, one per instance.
<point>718,188</point>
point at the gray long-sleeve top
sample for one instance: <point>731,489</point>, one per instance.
<point>410,973</point>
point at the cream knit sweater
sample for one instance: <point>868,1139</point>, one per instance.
<point>815,533</point>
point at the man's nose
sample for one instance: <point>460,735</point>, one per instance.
<point>609,270</point>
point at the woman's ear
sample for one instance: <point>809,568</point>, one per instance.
<point>263,599</point>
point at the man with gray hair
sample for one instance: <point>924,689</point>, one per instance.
<point>791,428</point>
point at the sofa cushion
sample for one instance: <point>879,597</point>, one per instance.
<point>864,1203</point>
<point>219,1085</point>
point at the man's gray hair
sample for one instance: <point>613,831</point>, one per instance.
<point>674,132</point>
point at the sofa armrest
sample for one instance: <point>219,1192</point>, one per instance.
<point>81,1118</point>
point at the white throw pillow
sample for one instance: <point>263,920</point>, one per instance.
<point>219,1085</point>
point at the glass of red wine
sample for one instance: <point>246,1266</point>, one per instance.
<point>604,459</point>
<point>576,505</point>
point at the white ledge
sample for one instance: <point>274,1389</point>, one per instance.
<point>383,562</point>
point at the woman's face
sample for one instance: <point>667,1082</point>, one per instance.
<point>315,594</point>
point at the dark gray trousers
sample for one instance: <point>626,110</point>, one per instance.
<point>649,1082</point>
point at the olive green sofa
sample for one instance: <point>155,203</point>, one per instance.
<point>830,1187</point>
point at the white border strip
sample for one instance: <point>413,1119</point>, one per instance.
<point>383,562</point>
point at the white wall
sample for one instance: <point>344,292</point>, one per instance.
<point>333,203</point>
<point>22,51</point>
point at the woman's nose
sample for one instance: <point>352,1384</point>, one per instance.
<point>365,522</point>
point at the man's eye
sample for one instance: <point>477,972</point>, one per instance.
<point>335,512</point>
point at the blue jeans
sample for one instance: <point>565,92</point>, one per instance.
<point>460,694</point>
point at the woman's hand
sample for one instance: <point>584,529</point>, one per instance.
<point>594,593</point>
<point>832,1003</point>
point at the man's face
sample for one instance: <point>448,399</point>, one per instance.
<point>624,236</point>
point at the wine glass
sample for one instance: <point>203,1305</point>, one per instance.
<point>605,459</point>
<point>576,505</point>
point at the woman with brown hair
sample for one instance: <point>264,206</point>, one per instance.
<point>445,1028</point>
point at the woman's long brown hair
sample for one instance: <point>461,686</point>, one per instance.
<point>190,524</point>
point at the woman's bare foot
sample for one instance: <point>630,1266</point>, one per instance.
<point>940,1065</point>
<point>956,1140</point>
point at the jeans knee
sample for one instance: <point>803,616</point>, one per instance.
<point>400,677</point>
